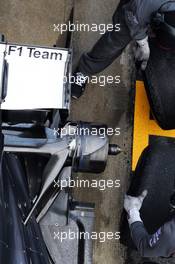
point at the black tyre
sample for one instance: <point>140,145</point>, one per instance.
<point>155,172</point>
<point>160,85</point>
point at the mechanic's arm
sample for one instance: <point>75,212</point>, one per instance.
<point>138,30</point>
<point>139,33</point>
<point>148,245</point>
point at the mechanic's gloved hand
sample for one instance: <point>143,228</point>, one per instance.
<point>79,84</point>
<point>133,205</point>
<point>142,52</point>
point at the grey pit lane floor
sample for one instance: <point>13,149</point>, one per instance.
<point>109,105</point>
<point>31,22</point>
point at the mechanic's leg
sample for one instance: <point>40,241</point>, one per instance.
<point>107,48</point>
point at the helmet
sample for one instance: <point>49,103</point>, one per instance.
<point>163,25</point>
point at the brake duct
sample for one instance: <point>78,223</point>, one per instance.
<point>85,152</point>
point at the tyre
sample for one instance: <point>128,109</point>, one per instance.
<point>160,86</point>
<point>155,172</point>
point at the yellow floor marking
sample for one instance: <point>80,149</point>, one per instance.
<point>143,126</point>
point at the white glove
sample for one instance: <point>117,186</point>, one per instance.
<point>142,52</point>
<point>133,205</point>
